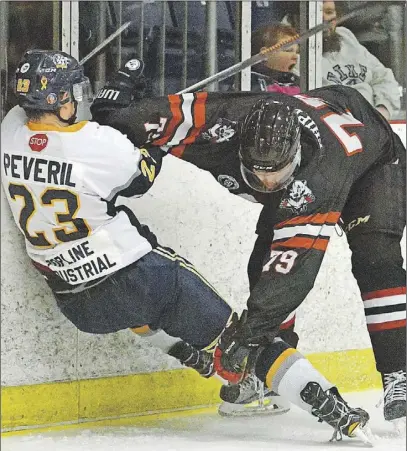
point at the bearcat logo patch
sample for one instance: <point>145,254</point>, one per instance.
<point>298,197</point>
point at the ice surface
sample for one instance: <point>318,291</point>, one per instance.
<point>295,431</point>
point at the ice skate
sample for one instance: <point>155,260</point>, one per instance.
<point>331,408</point>
<point>250,397</point>
<point>394,399</point>
<point>200,361</point>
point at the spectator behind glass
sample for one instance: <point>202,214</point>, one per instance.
<point>346,62</point>
<point>275,74</point>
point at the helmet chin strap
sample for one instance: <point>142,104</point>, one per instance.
<point>72,119</point>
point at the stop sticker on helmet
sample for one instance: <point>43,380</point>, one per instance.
<point>38,142</point>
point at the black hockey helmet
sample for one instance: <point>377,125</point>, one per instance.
<point>47,79</point>
<point>269,145</point>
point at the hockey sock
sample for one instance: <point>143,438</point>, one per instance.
<point>286,371</point>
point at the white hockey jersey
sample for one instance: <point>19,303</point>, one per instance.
<point>62,183</point>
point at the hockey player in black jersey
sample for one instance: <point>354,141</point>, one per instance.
<point>312,160</point>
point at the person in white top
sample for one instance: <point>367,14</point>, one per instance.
<point>345,61</point>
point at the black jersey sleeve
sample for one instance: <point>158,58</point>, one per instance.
<point>200,128</point>
<point>289,272</point>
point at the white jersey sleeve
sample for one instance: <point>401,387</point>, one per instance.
<point>114,166</point>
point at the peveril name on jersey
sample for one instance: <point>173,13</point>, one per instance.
<point>38,169</point>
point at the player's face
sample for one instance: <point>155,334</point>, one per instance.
<point>267,181</point>
<point>274,181</point>
<point>284,60</point>
<point>67,110</point>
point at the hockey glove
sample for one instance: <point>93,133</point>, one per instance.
<point>235,354</point>
<point>126,84</point>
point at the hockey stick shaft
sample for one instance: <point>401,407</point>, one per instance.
<point>104,43</point>
<point>262,56</point>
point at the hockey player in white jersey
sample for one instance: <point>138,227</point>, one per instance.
<point>62,176</point>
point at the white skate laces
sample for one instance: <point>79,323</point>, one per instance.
<point>251,388</point>
<point>394,387</point>
<point>329,406</point>
<point>250,397</point>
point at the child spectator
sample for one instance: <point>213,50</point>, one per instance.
<point>275,74</point>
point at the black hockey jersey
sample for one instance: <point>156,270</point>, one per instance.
<point>342,138</point>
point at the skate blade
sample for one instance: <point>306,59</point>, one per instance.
<point>365,435</point>
<point>227,409</point>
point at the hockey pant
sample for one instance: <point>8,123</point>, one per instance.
<point>161,290</point>
<point>374,221</point>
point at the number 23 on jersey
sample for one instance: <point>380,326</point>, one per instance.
<point>67,226</point>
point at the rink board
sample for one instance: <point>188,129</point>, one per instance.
<point>90,400</point>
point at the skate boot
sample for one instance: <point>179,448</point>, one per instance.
<point>244,399</point>
<point>394,398</point>
<point>200,361</point>
<point>250,397</point>
<point>329,406</point>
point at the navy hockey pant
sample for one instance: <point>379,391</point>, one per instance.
<point>161,290</point>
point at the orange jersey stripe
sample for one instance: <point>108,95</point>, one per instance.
<point>142,330</point>
<point>386,326</point>
<point>178,151</point>
<point>306,243</point>
<point>199,116</point>
<point>384,293</point>
<point>319,218</point>
<point>175,106</point>
<point>199,122</point>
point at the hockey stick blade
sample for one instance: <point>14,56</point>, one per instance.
<point>262,56</point>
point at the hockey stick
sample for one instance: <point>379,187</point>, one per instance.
<point>105,42</point>
<point>262,56</point>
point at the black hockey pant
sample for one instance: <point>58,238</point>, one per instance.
<point>374,221</point>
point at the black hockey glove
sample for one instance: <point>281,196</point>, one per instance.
<point>126,84</point>
<point>237,349</point>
